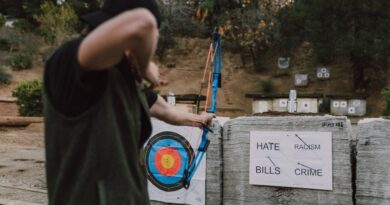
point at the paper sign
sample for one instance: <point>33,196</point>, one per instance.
<point>167,154</point>
<point>291,159</point>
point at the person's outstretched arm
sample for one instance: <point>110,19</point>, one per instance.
<point>134,31</point>
<point>170,114</point>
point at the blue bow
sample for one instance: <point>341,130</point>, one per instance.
<point>216,83</point>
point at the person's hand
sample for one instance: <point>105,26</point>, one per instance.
<point>152,74</point>
<point>206,118</point>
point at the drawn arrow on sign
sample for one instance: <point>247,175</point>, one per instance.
<point>301,140</point>
<point>304,165</point>
<point>271,161</point>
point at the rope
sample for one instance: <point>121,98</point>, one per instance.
<point>215,51</point>
<point>207,61</point>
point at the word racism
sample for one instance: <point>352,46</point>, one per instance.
<point>307,147</point>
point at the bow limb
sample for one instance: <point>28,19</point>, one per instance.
<point>216,83</point>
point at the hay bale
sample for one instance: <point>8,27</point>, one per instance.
<point>373,162</point>
<point>236,187</point>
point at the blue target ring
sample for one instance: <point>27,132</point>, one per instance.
<point>179,145</point>
<point>172,143</point>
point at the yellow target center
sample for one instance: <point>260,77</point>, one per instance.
<point>167,161</point>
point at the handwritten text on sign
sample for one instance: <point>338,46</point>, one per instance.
<point>291,159</point>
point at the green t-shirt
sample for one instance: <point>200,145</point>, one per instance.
<point>94,157</point>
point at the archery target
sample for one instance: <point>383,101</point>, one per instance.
<point>326,75</point>
<point>167,156</point>
<point>168,152</point>
<point>306,105</point>
<point>283,103</point>
<point>351,110</point>
<point>343,104</point>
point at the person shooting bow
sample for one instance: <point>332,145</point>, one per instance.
<point>97,112</point>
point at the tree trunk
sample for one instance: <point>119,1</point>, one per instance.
<point>257,63</point>
<point>253,55</point>
<point>387,111</point>
<point>359,81</point>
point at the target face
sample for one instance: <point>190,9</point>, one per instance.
<point>168,154</point>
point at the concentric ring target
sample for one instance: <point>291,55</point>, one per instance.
<point>168,154</point>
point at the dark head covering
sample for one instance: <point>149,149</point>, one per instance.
<point>112,8</point>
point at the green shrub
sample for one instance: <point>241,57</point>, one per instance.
<point>5,45</point>
<point>324,107</point>
<point>5,77</point>
<point>258,65</point>
<point>21,61</point>
<point>187,27</point>
<point>57,23</point>
<point>386,93</point>
<point>29,98</point>
<point>11,39</point>
<point>266,86</point>
<point>47,53</point>
<point>23,25</point>
<point>166,39</point>
<point>2,20</point>
<point>15,40</point>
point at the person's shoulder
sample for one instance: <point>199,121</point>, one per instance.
<point>69,46</point>
<point>66,50</point>
<point>71,43</point>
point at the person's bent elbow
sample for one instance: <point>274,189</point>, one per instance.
<point>145,25</point>
<point>142,36</point>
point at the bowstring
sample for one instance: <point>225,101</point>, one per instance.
<point>199,140</point>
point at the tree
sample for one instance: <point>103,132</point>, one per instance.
<point>290,29</point>
<point>57,23</point>
<point>11,7</point>
<point>251,28</point>
<point>356,29</point>
<point>27,9</point>
<point>84,6</point>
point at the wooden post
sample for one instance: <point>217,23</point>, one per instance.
<point>19,121</point>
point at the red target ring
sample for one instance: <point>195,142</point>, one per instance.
<point>167,156</point>
<point>167,161</point>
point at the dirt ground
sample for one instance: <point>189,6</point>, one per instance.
<point>183,68</point>
<point>22,175</point>
<point>189,57</point>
